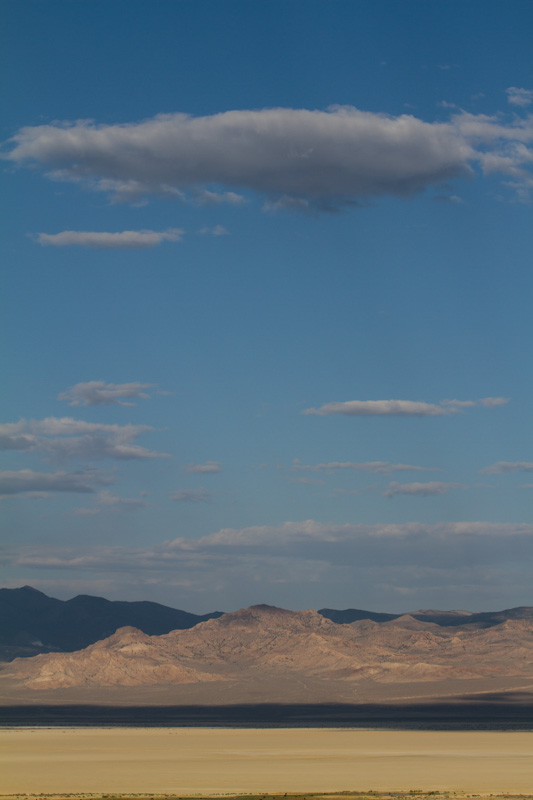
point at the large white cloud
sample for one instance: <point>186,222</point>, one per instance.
<point>68,438</point>
<point>102,240</point>
<point>296,158</point>
<point>321,158</point>
<point>98,393</point>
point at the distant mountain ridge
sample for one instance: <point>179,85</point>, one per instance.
<point>270,653</point>
<point>481,619</point>
<point>33,623</point>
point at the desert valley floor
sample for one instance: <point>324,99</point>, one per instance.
<point>192,761</point>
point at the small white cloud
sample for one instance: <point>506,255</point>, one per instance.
<point>98,393</point>
<point>216,230</point>
<point>111,502</point>
<point>306,481</point>
<point>130,240</point>
<point>28,482</point>
<point>494,402</point>
<point>382,408</point>
<point>519,97</point>
<point>287,202</point>
<point>402,408</point>
<point>421,489</point>
<point>376,467</point>
<point>506,467</point>
<point>208,198</point>
<point>191,495</point>
<point>205,468</point>
<point>448,198</point>
<point>105,498</point>
<point>67,438</point>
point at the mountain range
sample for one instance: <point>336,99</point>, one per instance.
<point>269,654</point>
<point>33,623</point>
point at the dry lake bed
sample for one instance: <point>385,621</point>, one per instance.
<point>200,761</point>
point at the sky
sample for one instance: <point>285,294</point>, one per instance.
<point>267,302</point>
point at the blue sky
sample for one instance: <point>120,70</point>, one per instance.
<point>267,302</point>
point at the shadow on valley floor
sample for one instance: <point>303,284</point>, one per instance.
<point>494,711</point>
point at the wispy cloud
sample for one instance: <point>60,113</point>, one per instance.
<point>494,402</point>
<point>306,481</point>
<point>191,495</point>
<point>67,438</point>
<point>216,230</point>
<point>108,502</point>
<point>505,467</point>
<point>205,468</point>
<point>486,402</point>
<point>401,408</point>
<point>519,97</point>
<point>377,467</point>
<point>208,198</point>
<point>27,481</point>
<point>98,393</point>
<point>421,489</point>
<point>102,240</point>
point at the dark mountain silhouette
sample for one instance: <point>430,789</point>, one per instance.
<point>33,623</point>
<point>350,615</point>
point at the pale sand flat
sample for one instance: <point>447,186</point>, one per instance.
<point>197,760</point>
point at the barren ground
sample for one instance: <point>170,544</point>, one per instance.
<point>199,761</point>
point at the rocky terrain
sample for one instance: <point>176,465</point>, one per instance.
<point>264,647</point>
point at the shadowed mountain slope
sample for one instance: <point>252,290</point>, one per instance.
<point>32,623</point>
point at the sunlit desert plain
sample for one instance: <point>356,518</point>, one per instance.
<point>187,761</point>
